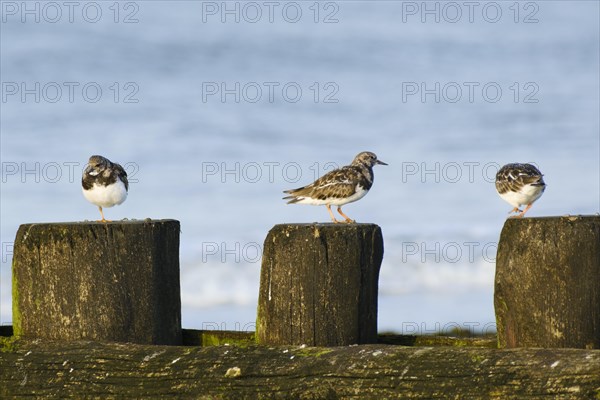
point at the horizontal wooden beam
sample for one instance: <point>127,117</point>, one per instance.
<point>93,369</point>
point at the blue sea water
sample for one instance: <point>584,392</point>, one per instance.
<point>215,108</point>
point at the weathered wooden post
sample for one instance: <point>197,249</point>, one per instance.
<point>116,281</point>
<point>547,288</point>
<point>318,284</point>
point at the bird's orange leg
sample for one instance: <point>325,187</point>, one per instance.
<point>522,214</point>
<point>335,221</point>
<point>514,210</point>
<point>348,219</point>
<point>102,213</point>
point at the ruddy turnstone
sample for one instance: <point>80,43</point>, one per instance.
<point>340,186</point>
<point>520,184</point>
<point>104,183</point>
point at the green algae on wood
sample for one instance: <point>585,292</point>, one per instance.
<point>195,337</point>
<point>16,311</point>
<point>8,344</point>
<point>547,284</point>
<point>79,369</point>
<point>116,281</point>
<point>436,340</point>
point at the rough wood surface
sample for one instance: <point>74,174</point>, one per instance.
<point>112,370</point>
<point>115,281</point>
<point>547,286</point>
<point>318,284</point>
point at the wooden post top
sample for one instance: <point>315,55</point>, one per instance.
<point>554,218</point>
<point>108,223</point>
<point>566,216</point>
<point>340,225</point>
<point>326,227</point>
<point>68,228</point>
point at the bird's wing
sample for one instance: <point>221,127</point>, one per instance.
<point>518,176</point>
<point>339,183</point>
<point>120,171</point>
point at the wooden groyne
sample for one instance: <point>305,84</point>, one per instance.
<point>319,284</point>
<point>97,314</point>
<point>80,369</point>
<point>100,281</point>
<point>547,285</point>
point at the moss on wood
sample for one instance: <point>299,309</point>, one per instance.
<point>319,284</point>
<point>117,370</point>
<point>547,284</point>
<point>117,281</point>
<point>194,337</point>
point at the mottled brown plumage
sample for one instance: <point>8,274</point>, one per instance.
<point>102,171</point>
<point>338,187</point>
<point>338,184</point>
<point>520,184</point>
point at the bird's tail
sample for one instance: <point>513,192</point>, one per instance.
<point>293,195</point>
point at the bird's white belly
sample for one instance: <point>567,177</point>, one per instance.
<point>527,195</point>
<point>359,194</point>
<point>106,196</point>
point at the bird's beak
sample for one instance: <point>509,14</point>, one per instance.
<point>380,162</point>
